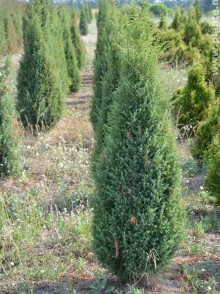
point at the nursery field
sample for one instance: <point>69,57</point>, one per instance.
<point>46,217</point>
<point>109,150</point>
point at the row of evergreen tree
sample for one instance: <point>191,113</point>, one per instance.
<point>197,105</point>
<point>138,220</point>
<point>11,13</point>
<point>49,69</point>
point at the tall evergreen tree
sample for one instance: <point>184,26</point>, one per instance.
<point>9,149</point>
<point>40,88</point>
<point>137,217</point>
<point>77,41</point>
<point>104,25</point>
<point>53,34</point>
<point>70,52</point>
<point>83,24</point>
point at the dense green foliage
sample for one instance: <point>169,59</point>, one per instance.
<point>70,52</point>
<point>42,76</point>
<point>213,167</point>
<point>192,103</point>
<point>83,23</point>
<point>11,13</point>
<point>77,42</point>
<point>9,151</point>
<point>159,9</point>
<point>188,39</point>
<point>137,217</point>
<point>102,66</point>
<point>49,66</point>
<point>207,130</point>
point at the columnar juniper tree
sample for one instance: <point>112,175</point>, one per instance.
<point>83,24</point>
<point>77,41</point>
<point>9,155</point>
<point>40,83</point>
<point>106,84</point>
<point>137,217</point>
<point>70,52</point>
<point>105,26</point>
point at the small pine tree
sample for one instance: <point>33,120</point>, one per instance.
<point>213,168</point>
<point>9,149</point>
<point>83,24</point>
<point>191,104</point>
<point>77,42</point>
<point>206,131</point>
<point>198,10</point>
<point>137,218</point>
<point>176,23</point>
<point>40,85</point>
<point>192,31</point>
<point>162,23</point>
<point>70,52</point>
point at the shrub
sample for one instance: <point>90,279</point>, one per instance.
<point>137,218</point>
<point>198,10</point>
<point>213,168</point>
<point>159,9</point>
<point>9,150</point>
<point>40,83</point>
<point>206,131</point>
<point>192,29</point>
<point>192,103</point>
<point>206,27</point>
<point>162,23</point>
<point>177,23</point>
